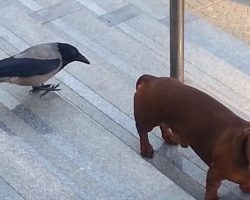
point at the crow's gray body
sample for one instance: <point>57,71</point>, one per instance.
<point>37,64</point>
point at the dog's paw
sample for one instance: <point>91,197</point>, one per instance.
<point>211,194</point>
<point>212,197</point>
<point>147,152</point>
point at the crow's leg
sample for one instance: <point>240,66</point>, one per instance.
<point>41,87</point>
<point>45,88</point>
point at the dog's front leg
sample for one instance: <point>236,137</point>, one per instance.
<point>213,183</point>
<point>146,147</point>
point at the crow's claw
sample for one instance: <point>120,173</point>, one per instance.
<point>46,88</point>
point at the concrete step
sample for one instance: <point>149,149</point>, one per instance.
<point>28,177</point>
<point>54,158</point>
<point>155,9</point>
<point>83,142</point>
<point>8,192</point>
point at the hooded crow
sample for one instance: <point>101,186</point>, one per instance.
<point>37,64</point>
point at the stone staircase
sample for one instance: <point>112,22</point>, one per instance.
<point>81,142</point>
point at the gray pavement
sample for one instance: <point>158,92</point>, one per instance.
<point>231,16</point>
<point>81,142</point>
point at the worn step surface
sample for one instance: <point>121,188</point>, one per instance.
<point>76,152</point>
<point>69,134</point>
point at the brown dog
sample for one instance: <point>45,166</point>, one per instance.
<point>188,116</point>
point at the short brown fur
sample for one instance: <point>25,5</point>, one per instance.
<point>192,118</point>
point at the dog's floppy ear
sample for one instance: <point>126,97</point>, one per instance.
<point>247,146</point>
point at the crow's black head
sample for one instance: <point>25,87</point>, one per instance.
<point>70,53</point>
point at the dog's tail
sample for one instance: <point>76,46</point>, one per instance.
<point>144,79</point>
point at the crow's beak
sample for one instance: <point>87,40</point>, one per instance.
<point>81,58</point>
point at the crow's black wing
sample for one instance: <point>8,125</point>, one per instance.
<point>26,67</point>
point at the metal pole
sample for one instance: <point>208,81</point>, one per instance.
<point>177,39</point>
